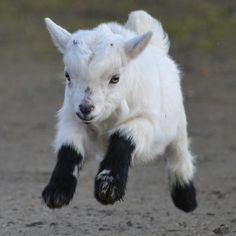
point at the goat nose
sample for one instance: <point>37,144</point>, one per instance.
<point>86,108</point>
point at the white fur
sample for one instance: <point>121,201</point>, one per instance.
<point>146,105</point>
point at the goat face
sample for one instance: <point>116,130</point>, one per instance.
<point>96,82</point>
<point>97,68</point>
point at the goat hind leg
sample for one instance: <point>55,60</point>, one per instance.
<point>181,172</point>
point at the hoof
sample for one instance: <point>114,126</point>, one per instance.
<point>184,196</point>
<point>59,192</point>
<point>108,188</point>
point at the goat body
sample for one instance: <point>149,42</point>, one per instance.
<point>123,100</point>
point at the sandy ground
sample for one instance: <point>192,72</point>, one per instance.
<point>31,92</point>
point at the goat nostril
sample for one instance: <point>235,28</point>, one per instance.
<point>86,109</point>
<point>92,107</point>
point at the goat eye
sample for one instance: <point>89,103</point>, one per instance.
<point>67,76</point>
<point>114,79</point>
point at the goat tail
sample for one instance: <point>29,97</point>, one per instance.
<point>141,22</point>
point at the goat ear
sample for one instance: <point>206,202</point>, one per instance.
<point>60,36</point>
<point>135,46</point>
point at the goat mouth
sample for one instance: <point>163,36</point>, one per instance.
<point>86,120</point>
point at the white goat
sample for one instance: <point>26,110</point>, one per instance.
<point>123,101</point>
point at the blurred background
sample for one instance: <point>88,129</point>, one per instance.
<point>203,36</point>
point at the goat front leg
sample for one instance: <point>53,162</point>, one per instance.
<point>131,138</point>
<point>62,184</point>
<point>110,182</point>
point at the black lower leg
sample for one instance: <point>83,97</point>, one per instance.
<point>62,184</point>
<point>110,182</point>
<point>184,196</point>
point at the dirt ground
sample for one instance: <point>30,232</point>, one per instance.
<point>31,91</point>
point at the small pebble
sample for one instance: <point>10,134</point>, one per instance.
<point>221,230</point>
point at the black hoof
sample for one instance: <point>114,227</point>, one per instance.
<point>108,188</point>
<point>59,192</point>
<point>184,196</point>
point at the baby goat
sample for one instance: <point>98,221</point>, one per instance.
<point>123,102</point>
